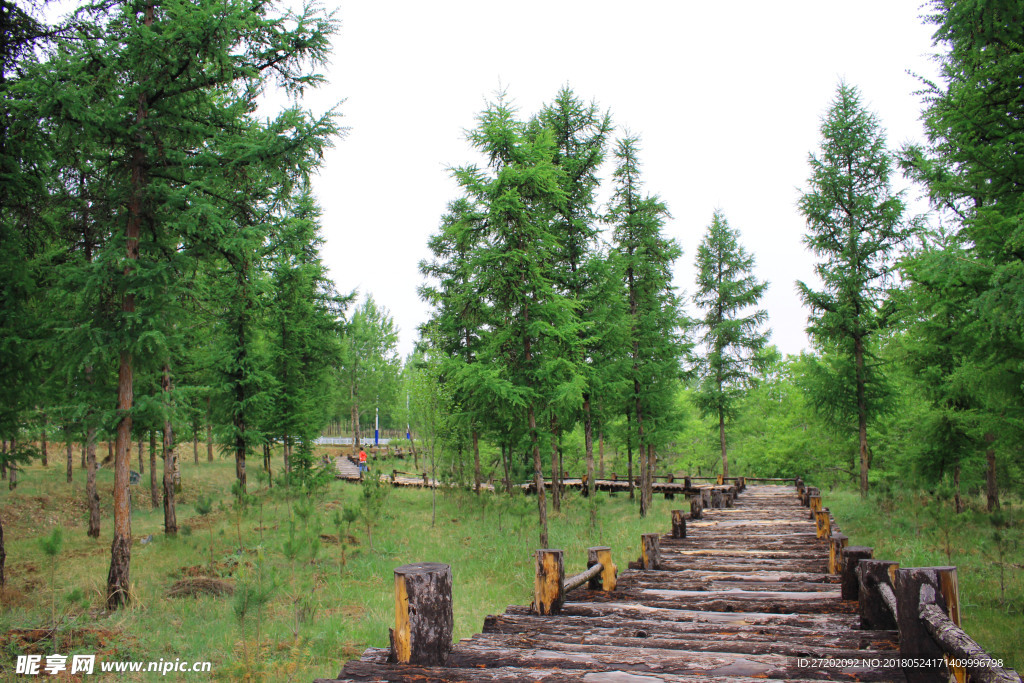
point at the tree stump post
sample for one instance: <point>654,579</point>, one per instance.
<point>823,523</point>
<point>687,483</point>
<point>815,505</point>
<point>705,498</point>
<point>426,482</point>
<point>423,614</point>
<point>607,579</point>
<point>915,641</point>
<point>850,556</point>
<point>669,494</point>
<point>650,551</point>
<point>696,508</point>
<point>836,543</point>
<point>678,524</point>
<point>716,499</point>
<point>799,488</point>
<point>871,574</point>
<point>720,480</point>
<point>548,585</point>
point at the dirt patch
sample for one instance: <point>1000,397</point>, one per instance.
<point>40,640</point>
<point>221,568</point>
<point>329,538</point>
<point>200,585</point>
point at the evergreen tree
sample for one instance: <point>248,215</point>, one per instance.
<point>734,343</point>
<point>643,258</point>
<point>370,363</point>
<point>854,224</point>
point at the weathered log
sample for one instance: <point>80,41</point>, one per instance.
<point>952,639</point>
<point>549,582</point>
<point>716,499</point>
<point>874,578</point>
<point>423,614</point>
<point>678,524</point>
<point>849,557</point>
<point>836,544</point>
<point>607,579</point>
<point>915,641</point>
<point>574,582</point>
<point>650,551</point>
<point>696,508</point>
<point>705,498</point>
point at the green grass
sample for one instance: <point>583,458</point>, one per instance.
<point>319,614</point>
<point>917,530</point>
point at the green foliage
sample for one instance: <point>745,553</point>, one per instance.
<point>53,543</point>
<point>373,497</point>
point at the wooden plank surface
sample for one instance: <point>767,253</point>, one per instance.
<point>745,596</point>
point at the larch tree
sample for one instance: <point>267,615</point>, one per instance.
<point>853,225</point>
<point>731,333</point>
<point>644,258</point>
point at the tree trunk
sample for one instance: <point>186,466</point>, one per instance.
<point>629,453</point>
<point>645,481</point>
<point>42,445</point>
<point>600,453</point>
<point>506,461</point>
<point>862,415</point>
<point>556,468</point>
<point>12,482</point>
<point>3,555</point>
<point>67,436</point>
<point>92,498</point>
<point>721,440</point>
<point>195,443</point>
<point>991,490</point>
<point>355,417</point>
<point>142,450</point>
<point>154,491</point>
<point>209,431</point>
<point>588,449</point>
<point>476,461</point>
<point>957,501</point>
<point>170,457</point>
<point>538,478</point>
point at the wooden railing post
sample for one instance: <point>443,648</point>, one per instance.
<point>716,499</point>
<point>720,480</point>
<point>423,614</point>
<point>836,543</point>
<point>606,580</point>
<point>823,523</point>
<point>669,494</point>
<point>650,551</point>
<point>548,590</point>
<point>915,641</point>
<point>705,498</point>
<point>814,502</point>
<point>687,483</point>
<point>850,556</point>
<point>696,507</point>
<point>871,575</point>
<point>678,524</point>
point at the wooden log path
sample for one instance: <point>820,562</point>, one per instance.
<point>745,596</point>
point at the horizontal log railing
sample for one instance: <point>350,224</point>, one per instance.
<point>922,603</point>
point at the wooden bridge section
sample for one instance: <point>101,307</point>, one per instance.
<point>745,595</point>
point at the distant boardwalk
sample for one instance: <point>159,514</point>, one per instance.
<point>745,596</point>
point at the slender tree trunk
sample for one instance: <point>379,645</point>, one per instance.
<point>355,417</point>
<point>12,482</point>
<point>862,415</point>
<point>170,457</point>
<point>110,451</point>
<point>506,462</point>
<point>476,461</point>
<point>991,490</point>
<point>3,556</point>
<point>538,478</point>
<point>3,461</point>
<point>82,463</point>
<point>721,440</point>
<point>70,458</point>
<point>588,444</point>
<point>556,468</point>
<point>154,491</point>
<point>629,453</point>
<point>600,453</point>
<point>415,456</point>
<point>645,480</point>
<point>142,452</point>
<point>195,443</point>
<point>92,497</point>
<point>209,431</point>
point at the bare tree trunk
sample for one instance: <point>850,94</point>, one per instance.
<point>600,452</point>
<point>92,498</point>
<point>862,416</point>
<point>556,468</point>
<point>355,417</point>
<point>629,453</point>
<point>538,478</point>
<point>476,461</point>
<point>142,451</point>
<point>3,555</point>
<point>506,462</point>
<point>645,474</point>
<point>209,431</point>
<point>67,436</point>
<point>958,505</point>
<point>45,455</point>
<point>154,491</point>
<point>721,440</point>
<point>170,457</point>
<point>195,443</point>
<point>991,490</point>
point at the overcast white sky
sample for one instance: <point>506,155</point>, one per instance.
<point>727,97</point>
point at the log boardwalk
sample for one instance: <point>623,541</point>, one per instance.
<point>741,593</point>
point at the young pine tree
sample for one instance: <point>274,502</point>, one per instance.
<point>732,334</point>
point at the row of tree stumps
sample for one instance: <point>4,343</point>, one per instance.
<point>922,603</point>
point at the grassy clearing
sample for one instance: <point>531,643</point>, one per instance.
<point>918,530</point>
<point>317,613</point>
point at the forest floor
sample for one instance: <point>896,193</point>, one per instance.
<point>917,529</point>
<point>297,612</point>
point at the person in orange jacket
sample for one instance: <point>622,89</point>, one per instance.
<point>362,461</point>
